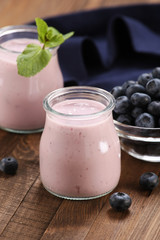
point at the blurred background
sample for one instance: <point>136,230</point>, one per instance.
<point>22,11</point>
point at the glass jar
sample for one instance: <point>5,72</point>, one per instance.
<point>21,105</point>
<point>79,147</point>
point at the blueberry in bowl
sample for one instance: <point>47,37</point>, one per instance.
<point>137,116</point>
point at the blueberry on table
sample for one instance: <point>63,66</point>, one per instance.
<point>9,165</point>
<point>153,86</point>
<point>140,99</point>
<point>144,78</point>
<point>148,181</point>
<point>145,120</point>
<point>122,105</point>
<point>120,201</point>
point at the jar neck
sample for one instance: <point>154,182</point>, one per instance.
<point>80,94</point>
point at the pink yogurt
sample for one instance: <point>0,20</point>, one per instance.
<point>20,97</point>
<point>79,149</point>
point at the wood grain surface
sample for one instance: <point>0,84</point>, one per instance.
<point>22,11</point>
<point>28,211</point>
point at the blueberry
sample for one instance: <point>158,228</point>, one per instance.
<point>128,83</point>
<point>9,165</point>
<point>156,72</point>
<point>117,91</point>
<point>154,108</point>
<point>120,201</point>
<point>153,86</point>
<point>122,105</point>
<point>149,181</point>
<point>136,111</point>
<point>135,88</point>
<point>140,99</point>
<point>144,78</point>
<point>145,120</point>
<point>125,119</point>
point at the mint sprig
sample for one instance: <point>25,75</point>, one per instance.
<point>34,57</point>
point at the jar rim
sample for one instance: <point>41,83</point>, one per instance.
<point>79,90</point>
<point>19,29</point>
<point>16,29</point>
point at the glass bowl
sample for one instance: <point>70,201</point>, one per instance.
<point>141,143</point>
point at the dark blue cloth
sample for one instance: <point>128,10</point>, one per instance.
<point>110,45</point>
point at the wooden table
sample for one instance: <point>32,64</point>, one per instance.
<point>28,211</point>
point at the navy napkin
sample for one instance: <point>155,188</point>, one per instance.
<point>110,45</point>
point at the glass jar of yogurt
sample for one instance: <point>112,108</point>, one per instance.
<point>21,98</point>
<point>79,147</point>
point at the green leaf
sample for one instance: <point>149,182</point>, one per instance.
<point>51,32</point>
<point>68,35</point>
<point>55,41</point>
<point>32,60</point>
<point>42,28</point>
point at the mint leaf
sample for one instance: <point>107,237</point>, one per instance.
<point>42,28</point>
<point>34,57</point>
<point>32,60</point>
<point>68,35</point>
<point>51,32</point>
<point>55,41</point>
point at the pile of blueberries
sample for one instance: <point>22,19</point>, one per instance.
<point>138,102</point>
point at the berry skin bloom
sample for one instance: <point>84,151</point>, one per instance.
<point>148,181</point>
<point>145,120</point>
<point>140,99</point>
<point>9,165</point>
<point>122,105</point>
<point>144,78</point>
<point>120,201</point>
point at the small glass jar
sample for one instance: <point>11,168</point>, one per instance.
<point>79,147</point>
<point>21,98</point>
